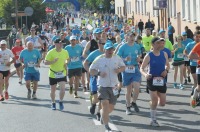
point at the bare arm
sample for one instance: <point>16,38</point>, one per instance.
<point>193,56</point>
<point>145,62</point>
<point>86,49</point>
<point>86,65</point>
<point>93,72</point>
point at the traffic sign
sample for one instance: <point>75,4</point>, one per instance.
<point>18,14</point>
<point>112,2</point>
<point>28,11</point>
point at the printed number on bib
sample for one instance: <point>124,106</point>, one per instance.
<point>31,64</point>
<point>74,59</point>
<point>130,69</point>
<point>158,81</point>
<point>59,75</point>
<point>180,56</point>
<point>115,91</point>
<point>186,58</point>
<point>198,71</point>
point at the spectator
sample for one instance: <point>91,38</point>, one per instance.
<point>171,31</point>
<point>141,26</point>
<point>148,24</point>
<point>189,32</point>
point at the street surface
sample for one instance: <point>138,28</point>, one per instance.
<point>18,114</point>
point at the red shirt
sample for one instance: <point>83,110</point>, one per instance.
<point>16,51</point>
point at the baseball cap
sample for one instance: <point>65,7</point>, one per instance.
<point>18,41</point>
<point>97,30</point>
<point>155,39</point>
<point>162,39</point>
<point>108,45</point>
<point>72,37</point>
<point>161,31</point>
<point>3,42</point>
<point>184,34</point>
<point>57,41</point>
<point>43,32</point>
<point>154,31</point>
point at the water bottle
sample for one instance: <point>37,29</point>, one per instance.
<point>129,62</point>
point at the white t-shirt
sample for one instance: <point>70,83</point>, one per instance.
<point>5,56</point>
<point>103,64</point>
<point>35,40</point>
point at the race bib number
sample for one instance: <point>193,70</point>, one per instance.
<point>180,56</point>
<point>59,75</point>
<point>2,63</point>
<point>31,64</point>
<point>115,91</point>
<point>18,61</point>
<point>158,81</point>
<point>130,69</point>
<point>198,71</point>
<point>186,58</point>
<point>74,59</point>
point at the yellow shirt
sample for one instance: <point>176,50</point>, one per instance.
<point>146,41</point>
<point>168,45</point>
<point>58,66</point>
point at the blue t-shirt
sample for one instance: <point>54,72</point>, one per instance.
<point>189,48</point>
<point>93,55</point>
<point>75,54</point>
<point>170,30</point>
<point>133,51</point>
<point>51,47</point>
<point>122,36</point>
<point>185,42</point>
<point>75,31</point>
<point>30,58</point>
<point>67,37</point>
<point>168,52</point>
<point>55,37</point>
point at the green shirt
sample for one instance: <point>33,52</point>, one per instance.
<point>58,66</point>
<point>168,45</point>
<point>146,41</point>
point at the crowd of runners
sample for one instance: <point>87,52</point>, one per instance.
<point>103,57</point>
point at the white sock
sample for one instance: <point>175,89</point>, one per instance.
<point>153,114</point>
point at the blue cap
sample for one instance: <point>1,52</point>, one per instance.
<point>108,45</point>
<point>97,30</point>
<point>184,34</point>
<point>43,32</point>
<point>161,31</point>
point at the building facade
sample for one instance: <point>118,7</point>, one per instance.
<point>180,13</point>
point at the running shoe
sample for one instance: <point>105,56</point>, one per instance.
<point>193,102</point>
<point>134,105</point>
<point>34,96</point>
<point>84,89</point>
<point>189,80</point>
<point>70,90</point>
<point>181,86</point>
<point>185,83</point>
<point>61,106</point>
<point>98,116</point>
<point>1,98</point>
<point>92,109</point>
<point>29,94</point>
<point>154,123</point>
<point>128,111</point>
<point>75,95</point>
<point>108,129</point>
<point>53,106</point>
<point>6,96</point>
<point>175,85</point>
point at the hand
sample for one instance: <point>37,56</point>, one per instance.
<point>56,59</point>
<point>117,70</point>
<point>8,64</point>
<point>164,73</point>
<point>148,76</point>
<point>103,74</point>
<point>128,58</point>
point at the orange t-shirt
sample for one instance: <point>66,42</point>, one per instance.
<point>196,50</point>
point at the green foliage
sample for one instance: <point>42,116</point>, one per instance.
<point>8,6</point>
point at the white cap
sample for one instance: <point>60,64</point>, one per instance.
<point>72,37</point>
<point>3,42</point>
<point>154,31</point>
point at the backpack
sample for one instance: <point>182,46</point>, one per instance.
<point>173,30</point>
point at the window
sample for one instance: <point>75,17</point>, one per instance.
<point>142,7</point>
<point>188,1</point>
<point>174,7</point>
<point>194,10</point>
<point>118,10</point>
<point>183,8</point>
<point>136,6</point>
<point>145,4</point>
